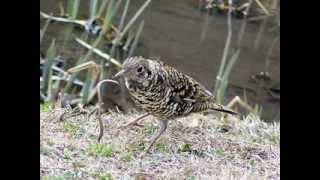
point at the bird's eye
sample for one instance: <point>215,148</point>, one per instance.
<point>140,69</point>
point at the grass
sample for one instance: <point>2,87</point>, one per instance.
<point>103,176</point>
<point>247,148</point>
<point>67,154</point>
<point>65,176</point>
<point>160,146</point>
<point>100,150</point>
<point>44,150</point>
<point>126,156</point>
<point>45,107</point>
<point>185,148</point>
<point>71,127</point>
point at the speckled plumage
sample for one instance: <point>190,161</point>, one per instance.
<point>164,92</point>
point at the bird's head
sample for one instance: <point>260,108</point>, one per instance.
<point>137,71</point>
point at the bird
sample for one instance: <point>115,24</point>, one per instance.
<point>164,92</point>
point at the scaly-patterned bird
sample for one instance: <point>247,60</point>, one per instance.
<point>164,92</point>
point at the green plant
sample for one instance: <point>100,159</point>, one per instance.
<point>67,153</point>
<point>218,152</point>
<point>44,29</point>
<point>185,148</point>
<point>149,130</point>
<point>223,73</point>
<point>44,150</point>
<point>65,176</point>
<point>101,150</point>
<point>160,146</point>
<point>47,71</point>
<point>45,107</point>
<point>102,176</point>
<point>50,142</point>
<point>136,39</point>
<point>105,177</point>
<point>71,127</point>
<point>191,178</point>
<point>94,4</point>
<point>72,9</point>
<point>126,156</point>
<point>221,89</point>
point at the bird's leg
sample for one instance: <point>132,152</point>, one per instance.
<point>135,121</point>
<point>163,127</point>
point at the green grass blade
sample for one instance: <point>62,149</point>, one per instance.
<point>69,7</point>
<point>225,78</point>
<point>128,41</point>
<point>124,14</point>
<point>47,72</point>
<point>118,37</point>
<point>225,52</point>
<point>260,33</point>
<point>44,29</point>
<point>93,8</point>
<point>111,11</point>
<point>102,7</point>
<point>269,53</point>
<point>75,8</point>
<point>134,18</point>
<point>136,39</point>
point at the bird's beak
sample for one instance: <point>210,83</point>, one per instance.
<point>120,73</point>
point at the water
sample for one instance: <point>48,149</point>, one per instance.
<point>192,41</point>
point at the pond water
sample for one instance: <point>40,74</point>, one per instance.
<point>193,41</point>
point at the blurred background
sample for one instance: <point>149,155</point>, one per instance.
<point>83,42</point>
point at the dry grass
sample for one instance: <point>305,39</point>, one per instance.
<point>195,147</point>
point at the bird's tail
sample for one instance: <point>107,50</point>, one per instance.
<point>218,107</point>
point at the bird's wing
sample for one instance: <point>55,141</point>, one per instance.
<point>185,87</point>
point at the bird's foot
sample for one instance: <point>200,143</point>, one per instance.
<point>135,122</point>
